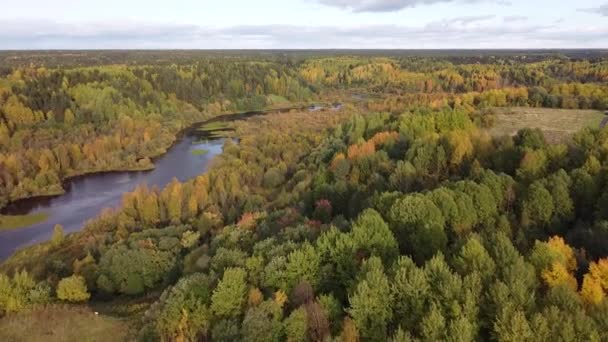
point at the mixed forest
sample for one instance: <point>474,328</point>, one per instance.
<point>397,218</point>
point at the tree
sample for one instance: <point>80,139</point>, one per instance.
<point>474,258</point>
<point>433,326</point>
<point>372,237</point>
<point>530,138</point>
<point>537,207</point>
<point>302,265</point>
<point>595,283</point>
<point>317,321</point>
<point>228,298</point>
<point>57,237</point>
<point>255,297</point>
<point>263,323</point>
<point>512,327</point>
<point>190,239</point>
<point>73,289</point>
<point>410,292</point>
<point>296,326</point>
<point>350,333</point>
<point>418,225</point>
<point>68,117</point>
<point>371,303</point>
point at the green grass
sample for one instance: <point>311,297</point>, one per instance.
<point>199,152</point>
<point>19,221</point>
<point>63,323</point>
<point>276,99</point>
<point>557,124</point>
<point>213,126</point>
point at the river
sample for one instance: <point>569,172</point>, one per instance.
<point>87,195</point>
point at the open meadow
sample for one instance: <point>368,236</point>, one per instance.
<point>556,124</point>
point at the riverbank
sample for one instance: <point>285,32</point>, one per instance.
<point>147,160</point>
<point>12,222</point>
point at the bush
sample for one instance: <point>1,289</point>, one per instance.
<point>73,289</point>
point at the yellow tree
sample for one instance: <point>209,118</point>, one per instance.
<point>595,283</point>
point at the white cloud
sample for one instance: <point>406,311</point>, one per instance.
<point>460,32</point>
<point>392,5</point>
<point>601,10</point>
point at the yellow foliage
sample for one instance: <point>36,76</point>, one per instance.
<point>349,331</point>
<point>599,271</point>
<point>382,138</point>
<point>361,150</point>
<point>337,158</point>
<point>460,146</point>
<point>557,275</point>
<point>558,245</point>
<point>255,297</point>
<point>592,291</point>
<point>247,221</point>
<point>280,297</point>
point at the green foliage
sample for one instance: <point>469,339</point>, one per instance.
<point>132,271</point>
<point>296,326</point>
<point>21,291</point>
<point>288,235</point>
<point>183,310</point>
<point>418,225</point>
<point>263,323</point>
<point>372,237</point>
<point>228,298</point>
<point>371,304</point>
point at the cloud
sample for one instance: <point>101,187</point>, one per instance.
<point>515,18</point>
<point>391,5</point>
<point>459,32</point>
<point>601,10</point>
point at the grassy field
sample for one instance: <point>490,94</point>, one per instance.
<point>62,323</point>
<point>557,124</point>
<point>20,221</point>
<point>213,126</point>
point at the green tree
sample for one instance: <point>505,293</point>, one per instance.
<point>410,292</point>
<point>418,225</point>
<point>372,237</point>
<point>371,303</point>
<point>474,258</point>
<point>263,323</point>
<point>302,265</point>
<point>433,326</point>
<point>537,207</point>
<point>296,326</point>
<point>229,296</point>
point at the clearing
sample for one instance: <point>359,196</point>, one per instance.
<point>557,124</point>
<point>62,323</point>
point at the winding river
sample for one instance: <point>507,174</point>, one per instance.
<point>86,196</point>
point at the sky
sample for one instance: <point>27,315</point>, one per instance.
<point>303,24</point>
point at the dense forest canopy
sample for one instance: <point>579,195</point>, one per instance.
<point>399,217</point>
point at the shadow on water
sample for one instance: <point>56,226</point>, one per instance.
<point>86,196</point>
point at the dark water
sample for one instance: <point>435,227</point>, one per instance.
<point>87,196</point>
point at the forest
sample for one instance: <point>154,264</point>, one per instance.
<point>398,218</point>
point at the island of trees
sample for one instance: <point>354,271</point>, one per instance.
<point>399,217</point>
